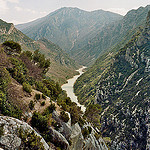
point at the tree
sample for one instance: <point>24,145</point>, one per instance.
<point>93,113</point>
<point>15,47</point>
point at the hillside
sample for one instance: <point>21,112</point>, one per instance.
<point>85,86</point>
<point>123,92</point>
<point>46,118</point>
<point>107,37</point>
<point>62,67</point>
<point>65,26</point>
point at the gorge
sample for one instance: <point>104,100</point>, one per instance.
<point>68,87</point>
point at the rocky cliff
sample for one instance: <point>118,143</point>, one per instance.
<point>11,138</point>
<point>124,91</point>
<point>16,134</point>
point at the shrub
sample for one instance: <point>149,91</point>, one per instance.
<point>64,116</point>
<point>90,129</point>
<point>37,96</point>
<point>43,103</point>
<point>49,109</point>
<point>85,132</point>
<point>43,96</point>
<point>13,45</point>
<point>31,104</point>
<point>30,140</point>
<point>1,130</point>
<point>27,87</point>
<point>56,125</point>
<point>39,121</point>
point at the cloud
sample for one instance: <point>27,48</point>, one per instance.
<point>121,11</point>
<point>12,1</point>
<point>27,10</point>
<point>4,5</point>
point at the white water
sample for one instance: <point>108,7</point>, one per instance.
<point>68,87</point>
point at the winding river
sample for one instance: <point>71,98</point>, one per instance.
<point>68,87</point>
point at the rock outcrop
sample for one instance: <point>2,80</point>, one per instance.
<point>9,138</point>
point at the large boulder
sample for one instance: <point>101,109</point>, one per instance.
<point>65,127</point>
<point>58,139</point>
<point>9,138</point>
<point>76,138</point>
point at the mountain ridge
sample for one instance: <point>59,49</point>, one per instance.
<point>64,70</point>
<point>70,23</point>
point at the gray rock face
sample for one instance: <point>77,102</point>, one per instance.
<point>9,139</point>
<point>58,139</point>
<point>65,127</point>
<point>76,138</point>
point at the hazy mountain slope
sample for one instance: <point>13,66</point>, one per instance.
<point>87,51</point>
<point>62,67</point>
<point>85,86</point>
<point>66,25</point>
<point>125,91</point>
<point>9,32</point>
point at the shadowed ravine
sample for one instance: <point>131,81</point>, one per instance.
<point>68,87</point>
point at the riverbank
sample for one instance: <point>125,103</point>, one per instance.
<point>68,87</point>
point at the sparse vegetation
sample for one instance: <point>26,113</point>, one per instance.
<point>14,47</point>
<point>30,140</point>
<point>37,96</point>
<point>64,116</point>
<point>27,87</point>
<point>1,130</point>
<point>42,103</point>
<point>31,104</point>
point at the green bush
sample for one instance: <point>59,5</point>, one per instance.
<point>64,116</point>
<point>43,96</point>
<point>90,129</point>
<point>49,109</point>
<point>37,96</point>
<point>30,140</point>
<point>31,104</point>
<point>1,130</point>
<point>39,121</point>
<point>85,132</point>
<point>15,47</point>
<point>27,87</point>
<point>43,103</point>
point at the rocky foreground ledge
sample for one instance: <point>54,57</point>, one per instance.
<point>9,138</point>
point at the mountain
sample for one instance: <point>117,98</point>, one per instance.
<point>123,91</point>
<point>62,67</point>
<point>85,86</point>
<point>88,50</point>
<point>65,26</point>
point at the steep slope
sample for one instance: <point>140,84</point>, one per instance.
<point>87,51</point>
<point>85,89</point>
<point>28,94</point>
<point>124,93</point>
<point>62,66</point>
<point>67,25</point>
<point>9,32</point>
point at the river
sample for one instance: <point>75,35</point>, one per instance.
<point>68,87</point>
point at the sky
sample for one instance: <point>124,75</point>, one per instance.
<point>22,11</point>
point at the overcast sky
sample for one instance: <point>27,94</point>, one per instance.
<point>21,11</point>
